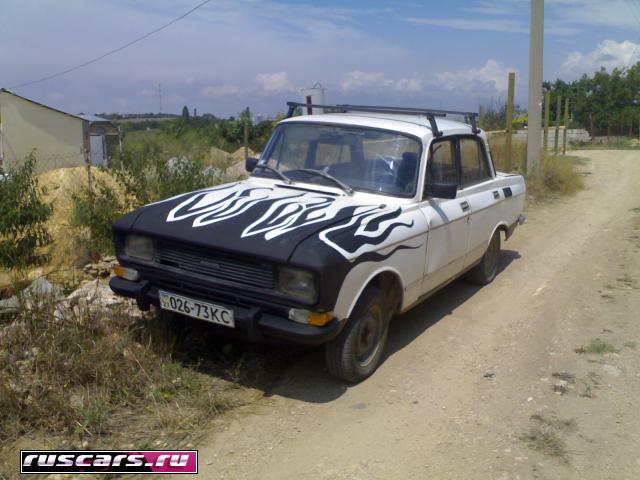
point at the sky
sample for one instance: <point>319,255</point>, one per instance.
<point>231,54</point>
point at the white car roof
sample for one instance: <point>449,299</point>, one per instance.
<point>417,125</point>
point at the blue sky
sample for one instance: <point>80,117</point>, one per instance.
<point>236,53</point>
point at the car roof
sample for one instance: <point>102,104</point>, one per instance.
<point>417,125</point>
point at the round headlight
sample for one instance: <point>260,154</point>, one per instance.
<point>137,246</point>
<point>297,283</point>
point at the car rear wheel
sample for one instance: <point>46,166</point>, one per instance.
<point>486,270</point>
<point>357,351</point>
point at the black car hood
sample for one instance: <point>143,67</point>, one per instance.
<point>264,221</point>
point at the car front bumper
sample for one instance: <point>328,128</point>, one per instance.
<point>252,323</point>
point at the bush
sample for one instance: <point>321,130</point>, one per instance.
<point>23,235</point>
<point>97,210</point>
<point>558,176</point>
<point>143,173</point>
<point>148,172</point>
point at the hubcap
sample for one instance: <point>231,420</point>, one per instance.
<point>369,335</point>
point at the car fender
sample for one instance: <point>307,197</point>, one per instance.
<point>407,264</point>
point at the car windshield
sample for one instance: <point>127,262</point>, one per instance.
<point>365,159</point>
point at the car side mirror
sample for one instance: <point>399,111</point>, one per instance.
<point>250,163</point>
<point>441,190</point>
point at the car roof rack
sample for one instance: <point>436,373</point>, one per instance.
<point>430,113</point>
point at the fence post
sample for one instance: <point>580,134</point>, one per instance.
<point>558,117</point>
<point>512,83</point>
<point>246,138</point>
<point>87,160</point>
<point>547,101</point>
<point>566,126</point>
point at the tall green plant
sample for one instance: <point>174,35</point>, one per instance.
<point>23,233</point>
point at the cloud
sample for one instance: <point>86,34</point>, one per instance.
<point>357,80</point>
<point>490,24</point>
<point>491,76</point>
<point>608,54</point>
<point>148,92</point>
<point>217,91</point>
<point>274,82</point>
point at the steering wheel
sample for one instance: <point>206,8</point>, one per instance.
<point>380,176</point>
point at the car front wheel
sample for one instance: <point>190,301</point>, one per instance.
<point>357,351</point>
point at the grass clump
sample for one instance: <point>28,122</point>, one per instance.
<point>558,173</point>
<point>544,436</point>
<point>558,176</point>
<point>96,375</point>
<point>546,442</point>
<point>596,347</point>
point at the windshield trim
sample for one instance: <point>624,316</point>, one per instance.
<point>277,132</point>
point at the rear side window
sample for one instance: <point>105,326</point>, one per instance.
<point>442,162</point>
<point>475,168</point>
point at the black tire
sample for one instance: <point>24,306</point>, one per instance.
<point>356,353</point>
<point>486,270</point>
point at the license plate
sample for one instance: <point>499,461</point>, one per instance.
<point>194,308</point>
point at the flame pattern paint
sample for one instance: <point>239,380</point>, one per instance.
<point>363,230</point>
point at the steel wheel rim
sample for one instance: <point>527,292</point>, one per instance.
<point>491,257</point>
<point>368,340</point>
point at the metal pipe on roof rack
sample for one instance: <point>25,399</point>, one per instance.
<point>429,113</point>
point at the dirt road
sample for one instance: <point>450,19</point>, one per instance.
<point>482,382</point>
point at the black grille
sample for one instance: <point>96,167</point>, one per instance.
<point>250,273</point>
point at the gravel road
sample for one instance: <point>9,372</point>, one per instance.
<point>482,382</point>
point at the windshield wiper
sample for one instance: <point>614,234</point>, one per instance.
<point>282,176</point>
<point>348,190</point>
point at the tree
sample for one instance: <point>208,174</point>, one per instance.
<point>23,232</point>
<point>185,113</point>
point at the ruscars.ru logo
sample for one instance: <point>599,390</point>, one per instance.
<point>108,461</point>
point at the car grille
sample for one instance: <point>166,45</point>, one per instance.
<point>255,274</point>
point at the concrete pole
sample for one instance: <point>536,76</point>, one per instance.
<point>534,107</point>
<point>507,148</point>
<point>547,104</point>
<point>566,126</point>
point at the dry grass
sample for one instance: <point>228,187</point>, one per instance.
<point>559,175</point>
<point>545,436</point>
<point>100,379</point>
<point>597,347</point>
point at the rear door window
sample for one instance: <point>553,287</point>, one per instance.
<point>441,166</point>
<point>473,161</point>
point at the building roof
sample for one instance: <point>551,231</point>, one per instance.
<point>84,118</point>
<point>93,118</point>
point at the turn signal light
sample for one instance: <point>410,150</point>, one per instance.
<point>318,319</point>
<point>126,273</point>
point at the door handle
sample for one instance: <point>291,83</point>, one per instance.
<point>464,205</point>
<point>496,194</point>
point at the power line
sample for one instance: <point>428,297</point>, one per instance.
<point>116,50</point>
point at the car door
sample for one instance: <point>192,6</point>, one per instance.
<point>447,219</point>
<point>478,187</point>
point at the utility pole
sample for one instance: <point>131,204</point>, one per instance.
<point>159,98</point>
<point>534,106</point>
<point>510,92</point>
<point>556,143</point>
<point>547,102</point>
<point>566,126</point>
